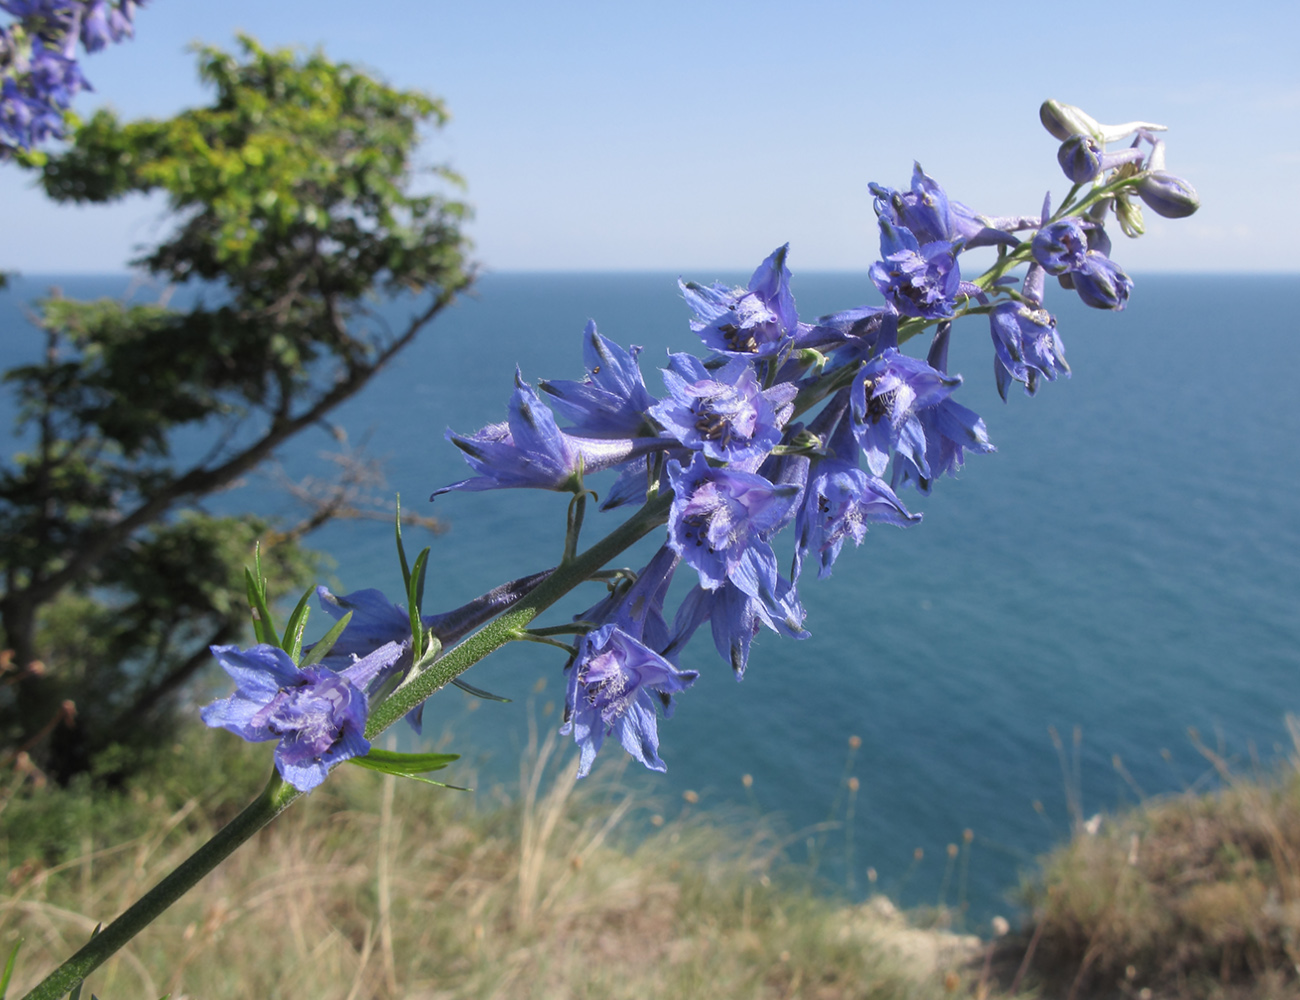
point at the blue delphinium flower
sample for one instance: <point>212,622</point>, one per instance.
<point>317,714</point>
<point>1027,346</point>
<point>950,429</point>
<point>1061,246</point>
<point>613,686</point>
<point>103,23</point>
<point>612,400</point>
<point>840,501</point>
<point>530,450</point>
<point>39,75</point>
<point>915,279</point>
<point>755,322</point>
<point>735,618</point>
<point>617,676</point>
<point>930,215</point>
<point>724,413</point>
<point>886,396</point>
<point>719,520</point>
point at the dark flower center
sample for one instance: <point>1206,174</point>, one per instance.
<point>738,339</point>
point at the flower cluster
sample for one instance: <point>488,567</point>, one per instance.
<point>780,422</point>
<point>39,75</point>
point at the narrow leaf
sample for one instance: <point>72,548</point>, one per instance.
<point>263,627</point>
<point>9,969</point>
<point>469,688</point>
<point>401,549</point>
<point>326,643</point>
<point>414,595</point>
<point>292,643</point>
<point>421,566</point>
<point>404,764</point>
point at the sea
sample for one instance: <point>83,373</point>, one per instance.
<point>1102,611</point>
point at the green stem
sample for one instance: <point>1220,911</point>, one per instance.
<point>509,626</point>
<point>275,798</point>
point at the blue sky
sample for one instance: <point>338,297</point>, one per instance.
<point>686,136</point>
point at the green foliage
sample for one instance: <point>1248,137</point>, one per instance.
<point>294,211</point>
<point>406,765</point>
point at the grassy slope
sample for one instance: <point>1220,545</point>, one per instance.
<point>380,888</point>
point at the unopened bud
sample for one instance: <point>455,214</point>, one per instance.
<point>1101,283</point>
<point>1065,120</point>
<point>1080,158</point>
<point>1167,195</point>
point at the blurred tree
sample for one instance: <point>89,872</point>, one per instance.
<point>294,206</point>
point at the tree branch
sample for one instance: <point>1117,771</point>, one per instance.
<point>200,481</point>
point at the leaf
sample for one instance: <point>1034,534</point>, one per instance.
<point>292,643</point>
<point>401,549</point>
<point>407,765</point>
<point>9,969</point>
<point>469,688</point>
<point>414,597</point>
<point>263,626</point>
<point>326,642</point>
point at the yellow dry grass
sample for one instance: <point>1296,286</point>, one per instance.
<point>374,888</point>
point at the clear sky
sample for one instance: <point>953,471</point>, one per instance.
<point>683,136</point>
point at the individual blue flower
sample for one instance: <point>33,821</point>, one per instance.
<point>916,280</point>
<point>949,428</point>
<point>318,715</point>
<point>614,684</point>
<point>886,397</point>
<point>840,501</point>
<point>103,23</point>
<point>1102,283</point>
<point>931,216</point>
<point>755,322</point>
<point>530,450</point>
<point>1027,346</point>
<point>735,618</point>
<point>724,413</point>
<point>1061,246</point>
<point>612,400</point>
<point>719,522</point>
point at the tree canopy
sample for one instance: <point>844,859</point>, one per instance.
<point>298,206</point>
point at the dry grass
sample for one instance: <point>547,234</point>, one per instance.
<point>1196,896</point>
<point>376,888</point>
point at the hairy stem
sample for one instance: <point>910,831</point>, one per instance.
<point>510,625</point>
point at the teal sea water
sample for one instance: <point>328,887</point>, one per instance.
<point>1127,564</point>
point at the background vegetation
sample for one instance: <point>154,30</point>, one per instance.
<point>294,200</point>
